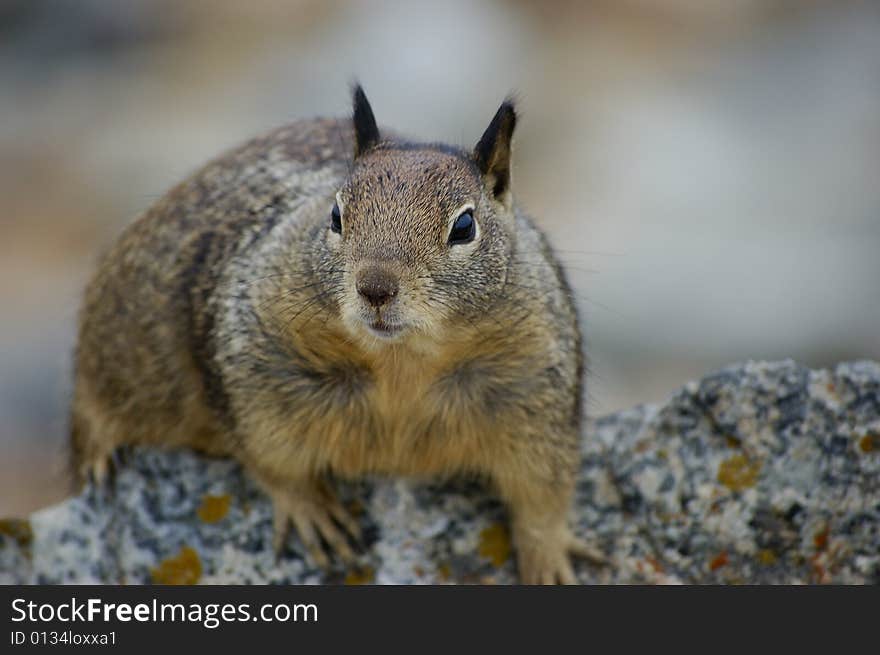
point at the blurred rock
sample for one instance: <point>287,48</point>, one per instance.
<point>760,473</point>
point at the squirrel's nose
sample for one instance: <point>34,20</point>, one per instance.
<point>377,286</point>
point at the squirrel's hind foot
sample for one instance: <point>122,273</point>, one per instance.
<point>548,561</point>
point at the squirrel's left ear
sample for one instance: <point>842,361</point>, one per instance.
<point>492,153</point>
<point>366,133</point>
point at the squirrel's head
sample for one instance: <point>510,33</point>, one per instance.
<point>421,232</point>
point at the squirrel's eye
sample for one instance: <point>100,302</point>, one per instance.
<point>336,219</point>
<point>463,230</point>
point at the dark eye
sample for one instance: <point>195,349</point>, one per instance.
<point>336,219</point>
<point>463,230</point>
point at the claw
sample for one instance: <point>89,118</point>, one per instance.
<point>315,513</point>
<point>346,520</point>
<point>99,472</point>
<point>280,525</point>
<point>546,560</point>
<point>309,537</point>
<point>580,548</point>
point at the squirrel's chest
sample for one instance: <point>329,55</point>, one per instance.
<point>416,418</point>
<point>401,411</point>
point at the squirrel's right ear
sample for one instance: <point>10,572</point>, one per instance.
<point>492,153</point>
<point>366,133</point>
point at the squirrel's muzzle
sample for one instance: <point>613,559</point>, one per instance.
<point>377,286</point>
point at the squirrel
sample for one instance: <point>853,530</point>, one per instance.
<point>329,301</point>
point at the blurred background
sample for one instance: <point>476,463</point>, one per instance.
<point>707,168</point>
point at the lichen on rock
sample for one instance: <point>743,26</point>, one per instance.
<point>759,473</point>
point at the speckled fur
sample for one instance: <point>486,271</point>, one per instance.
<point>226,319</point>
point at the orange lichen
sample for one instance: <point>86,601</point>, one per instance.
<point>656,564</point>
<point>214,508</point>
<point>739,472</point>
<point>360,575</point>
<point>182,569</point>
<point>495,544</point>
<point>820,539</point>
<point>719,560</point>
<point>819,574</point>
<point>766,557</point>
<point>444,571</point>
<point>869,443</point>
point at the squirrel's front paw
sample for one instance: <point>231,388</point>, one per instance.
<point>544,558</point>
<point>100,468</point>
<point>316,514</point>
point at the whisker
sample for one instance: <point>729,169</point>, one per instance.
<point>287,294</point>
<point>287,273</point>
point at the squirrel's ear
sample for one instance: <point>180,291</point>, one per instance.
<point>366,133</point>
<point>492,153</point>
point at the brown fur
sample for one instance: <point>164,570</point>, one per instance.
<point>227,318</point>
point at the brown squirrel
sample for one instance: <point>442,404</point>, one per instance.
<point>329,299</point>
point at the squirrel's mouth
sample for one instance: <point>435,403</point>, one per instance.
<point>385,330</point>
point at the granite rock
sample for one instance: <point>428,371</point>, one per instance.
<point>759,473</point>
